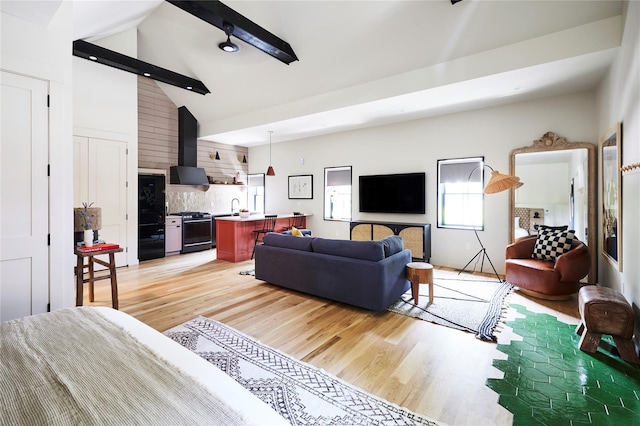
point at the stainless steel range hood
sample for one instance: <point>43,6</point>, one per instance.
<point>187,172</point>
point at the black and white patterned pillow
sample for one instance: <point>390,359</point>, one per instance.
<point>551,243</point>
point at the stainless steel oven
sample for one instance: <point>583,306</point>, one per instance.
<point>196,231</point>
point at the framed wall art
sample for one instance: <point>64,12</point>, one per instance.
<point>301,187</point>
<point>611,157</point>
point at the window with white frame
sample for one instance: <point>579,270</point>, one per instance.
<point>337,193</point>
<point>255,192</point>
<point>460,193</point>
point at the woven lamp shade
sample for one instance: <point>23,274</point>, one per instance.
<point>95,213</point>
<point>500,182</point>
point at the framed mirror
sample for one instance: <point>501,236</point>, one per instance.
<point>611,148</point>
<point>559,187</point>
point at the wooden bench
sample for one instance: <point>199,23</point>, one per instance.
<point>605,311</point>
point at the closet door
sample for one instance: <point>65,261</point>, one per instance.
<point>100,177</point>
<point>24,197</point>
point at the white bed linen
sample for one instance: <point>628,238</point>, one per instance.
<point>518,231</point>
<point>251,409</point>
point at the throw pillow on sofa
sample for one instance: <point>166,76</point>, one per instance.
<point>553,228</point>
<point>392,244</point>
<point>296,232</point>
<point>552,243</point>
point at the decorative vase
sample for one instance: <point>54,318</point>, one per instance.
<point>88,237</point>
<point>244,215</point>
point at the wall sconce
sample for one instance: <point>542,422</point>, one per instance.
<point>244,159</point>
<point>215,156</point>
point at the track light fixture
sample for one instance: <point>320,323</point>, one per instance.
<point>228,46</point>
<point>98,54</point>
<point>218,14</point>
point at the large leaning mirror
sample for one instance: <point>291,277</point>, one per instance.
<point>559,186</point>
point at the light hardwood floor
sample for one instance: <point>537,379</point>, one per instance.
<point>427,368</point>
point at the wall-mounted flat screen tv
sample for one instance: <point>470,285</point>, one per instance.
<point>396,193</point>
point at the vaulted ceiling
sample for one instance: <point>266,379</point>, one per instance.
<point>365,63</point>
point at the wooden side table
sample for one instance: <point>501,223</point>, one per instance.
<point>420,272</point>
<point>111,265</point>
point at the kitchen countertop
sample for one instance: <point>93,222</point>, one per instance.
<point>254,217</point>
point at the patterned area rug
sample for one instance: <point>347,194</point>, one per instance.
<point>301,393</point>
<point>464,302</point>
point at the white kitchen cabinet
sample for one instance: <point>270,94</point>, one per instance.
<point>173,235</point>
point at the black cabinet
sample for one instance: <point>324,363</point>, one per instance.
<point>416,236</point>
<point>151,217</point>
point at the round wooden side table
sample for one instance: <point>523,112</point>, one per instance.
<point>420,272</point>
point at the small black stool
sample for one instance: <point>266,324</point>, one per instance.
<point>269,225</point>
<point>295,222</point>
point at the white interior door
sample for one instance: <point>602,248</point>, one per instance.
<point>24,197</point>
<point>100,177</point>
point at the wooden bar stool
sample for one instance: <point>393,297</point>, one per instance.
<point>605,311</point>
<point>80,280</point>
<point>420,272</point>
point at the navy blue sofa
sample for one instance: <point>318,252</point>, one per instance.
<point>367,274</point>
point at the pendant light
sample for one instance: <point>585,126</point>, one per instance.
<point>270,171</point>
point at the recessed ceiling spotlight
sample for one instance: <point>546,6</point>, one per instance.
<point>93,58</point>
<point>146,74</point>
<point>228,46</point>
<point>189,87</point>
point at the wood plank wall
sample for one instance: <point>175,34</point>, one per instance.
<point>158,138</point>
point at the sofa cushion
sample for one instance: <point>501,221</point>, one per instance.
<point>363,250</point>
<point>392,244</point>
<point>296,232</point>
<point>552,243</point>
<point>287,241</point>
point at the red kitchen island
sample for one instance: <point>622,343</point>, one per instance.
<point>235,236</point>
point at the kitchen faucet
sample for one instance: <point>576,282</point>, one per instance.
<point>235,199</point>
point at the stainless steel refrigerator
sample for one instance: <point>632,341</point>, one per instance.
<point>151,217</point>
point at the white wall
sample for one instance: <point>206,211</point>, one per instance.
<point>619,100</point>
<point>105,102</point>
<point>44,53</point>
<point>416,146</point>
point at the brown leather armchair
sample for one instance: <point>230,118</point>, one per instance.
<point>546,279</point>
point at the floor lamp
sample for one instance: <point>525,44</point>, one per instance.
<point>499,182</point>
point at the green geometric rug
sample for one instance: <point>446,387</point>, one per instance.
<point>548,380</point>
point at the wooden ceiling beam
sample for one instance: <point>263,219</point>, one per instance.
<point>217,14</point>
